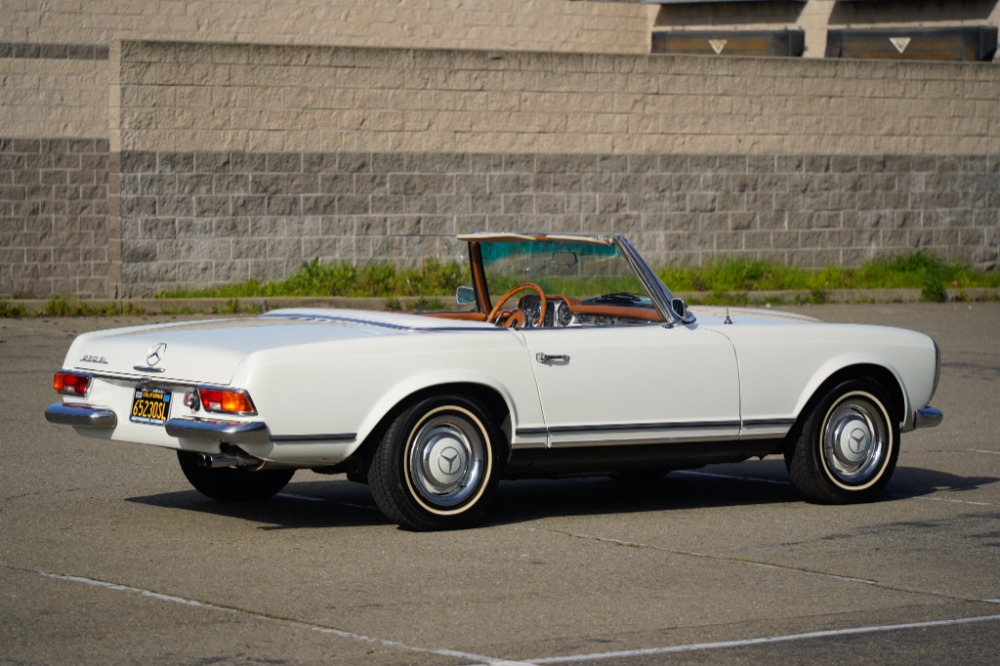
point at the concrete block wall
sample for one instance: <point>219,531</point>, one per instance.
<point>53,217</point>
<point>185,97</point>
<point>244,161</point>
<point>546,25</point>
<point>56,90</point>
<point>516,113</point>
<point>191,219</point>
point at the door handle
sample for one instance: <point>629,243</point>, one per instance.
<point>542,357</point>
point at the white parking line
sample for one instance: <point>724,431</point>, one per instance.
<point>943,499</point>
<point>720,645</point>
<point>477,658</point>
<point>489,661</point>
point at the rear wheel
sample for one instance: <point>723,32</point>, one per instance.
<point>846,449</point>
<point>233,484</point>
<point>437,464</point>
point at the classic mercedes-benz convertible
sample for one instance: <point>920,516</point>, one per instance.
<point>566,355</point>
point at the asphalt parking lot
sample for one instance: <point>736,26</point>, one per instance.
<point>108,556</point>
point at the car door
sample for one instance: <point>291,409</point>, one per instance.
<point>635,384</point>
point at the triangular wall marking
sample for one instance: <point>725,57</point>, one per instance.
<point>900,43</point>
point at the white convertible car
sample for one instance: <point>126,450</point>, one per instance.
<point>567,356</point>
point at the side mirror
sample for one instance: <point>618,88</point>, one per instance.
<point>680,309</point>
<point>465,295</point>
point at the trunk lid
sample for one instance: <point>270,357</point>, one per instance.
<point>210,352</point>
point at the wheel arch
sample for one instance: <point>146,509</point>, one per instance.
<point>878,373</point>
<point>493,401</point>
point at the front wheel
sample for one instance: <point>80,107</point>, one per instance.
<point>437,464</point>
<point>846,449</point>
<point>232,484</point>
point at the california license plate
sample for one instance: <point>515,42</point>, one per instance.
<point>150,406</point>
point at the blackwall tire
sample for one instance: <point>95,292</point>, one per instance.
<point>233,484</point>
<point>437,464</point>
<point>846,449</point>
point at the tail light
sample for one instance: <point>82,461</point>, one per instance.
<point>71,383</point>
<point>226,401</point>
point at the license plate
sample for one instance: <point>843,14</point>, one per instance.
<point>150,406</point>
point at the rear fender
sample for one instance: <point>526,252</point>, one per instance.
<point>402,392</point>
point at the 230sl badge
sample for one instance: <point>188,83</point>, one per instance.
<point>88,358</point>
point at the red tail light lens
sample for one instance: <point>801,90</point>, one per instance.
<point>227,402</point>
<point>71,383</point>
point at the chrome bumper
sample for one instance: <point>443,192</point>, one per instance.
<point>232,432</point>
<point>81,416</point>
<point>928,417</point>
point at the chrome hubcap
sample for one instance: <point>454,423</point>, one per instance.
<point>446,460</point>
<point>855,439</point>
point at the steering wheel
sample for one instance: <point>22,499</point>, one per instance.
<point>515,318</point>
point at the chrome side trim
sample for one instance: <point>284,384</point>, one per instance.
<point>928,417</point>
<point>81,416</point>
<point>233,432</point>
<point>642,427</point>
<point>306,439</point>
<point>765,428</point>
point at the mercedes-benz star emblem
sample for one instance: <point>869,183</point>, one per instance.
<point>156,354</point>
<point>859,440</point>
<point>448,460</point>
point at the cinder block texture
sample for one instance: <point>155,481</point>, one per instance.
<point>244,161</point>
<point>193,219</point>
<point>189,97</point>
<point>49,97</point>
<point>557,25</point>
<point>53,217</point>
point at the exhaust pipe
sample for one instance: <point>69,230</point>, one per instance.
<point>218,461</point>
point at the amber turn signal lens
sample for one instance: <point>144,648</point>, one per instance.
<point>70,383</point>
<point>230,402</point>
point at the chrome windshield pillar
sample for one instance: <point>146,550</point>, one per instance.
<point>658,292</point>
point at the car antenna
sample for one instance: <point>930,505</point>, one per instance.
<point>727,319</point>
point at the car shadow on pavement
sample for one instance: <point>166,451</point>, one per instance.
<point>312,504</point>
<point>301,505</point>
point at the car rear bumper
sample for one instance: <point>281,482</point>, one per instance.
<point>81,416</point>
<point>232,432</point>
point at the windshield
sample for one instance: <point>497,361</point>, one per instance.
<point>579,270</point>
<point>588,282</point>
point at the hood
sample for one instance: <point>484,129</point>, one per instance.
<point>209,352</point>
<point>716,315</point>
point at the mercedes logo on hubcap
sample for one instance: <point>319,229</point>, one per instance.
<point>448,460</point>
<point>858,440</point>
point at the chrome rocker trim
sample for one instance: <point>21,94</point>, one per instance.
<point>81,416</point>
<point>928,417</point>
<point>232,432</point>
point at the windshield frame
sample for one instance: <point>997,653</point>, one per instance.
<point>659,295</point>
